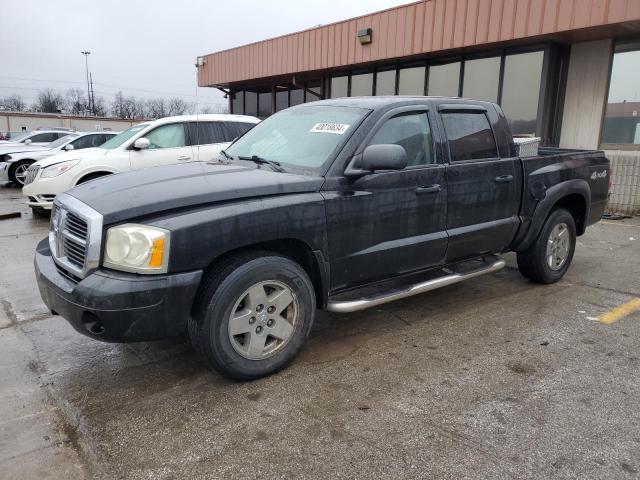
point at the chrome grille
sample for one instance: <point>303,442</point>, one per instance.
<point>31,174</point>
<point>75,235</point>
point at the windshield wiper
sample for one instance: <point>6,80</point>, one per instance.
<point>226,155</point>
<point>263,161</point>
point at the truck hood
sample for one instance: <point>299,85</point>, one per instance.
<point>152,190</point>
<point>63,156</point>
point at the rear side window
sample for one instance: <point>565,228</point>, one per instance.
<point>236,129</point>
<point>205,133</point>
<point>45,137</point>
<point>470,136</point>
<point>411,131</point>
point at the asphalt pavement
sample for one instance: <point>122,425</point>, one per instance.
<point>491,378</point>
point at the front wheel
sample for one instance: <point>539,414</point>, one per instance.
<point>253,315</point>
<point>548,259</point>
<point>18,172</point>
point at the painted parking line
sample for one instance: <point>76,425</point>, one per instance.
<point>620,311</point>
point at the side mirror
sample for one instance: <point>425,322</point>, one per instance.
<point>377,157</point>
<point>68,147</point>
<point>141,144</point>
<point>27,141</point>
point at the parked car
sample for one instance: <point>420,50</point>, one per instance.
<point>14,166</point>
<point>341,204</point>
<point>38,137</point>
<point>168,140</point>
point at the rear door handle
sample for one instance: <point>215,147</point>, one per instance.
<point>435,188</point>
<point>184,157</point>
<point>504,179</point>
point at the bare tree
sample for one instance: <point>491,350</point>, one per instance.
<point>216,108</point>
<point>14,103</point>
<point>49,101</point>
<point>77,102</point>
<point>127,107</point>
<point>177,106</point>
<point>157,108</point>
<point>99,107</point>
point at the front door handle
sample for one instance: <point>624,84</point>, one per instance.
<point>504,179</point>
<point>184,157</point>
<point>435,188</point>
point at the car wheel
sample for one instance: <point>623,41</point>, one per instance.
<point>253,314</point>
<point>18,172</point>
<point>548,259</point>
<point>91,176</point>
<point>39,212</point>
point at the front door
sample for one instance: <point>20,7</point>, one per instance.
<point>483,201</point>
<point>168,144</point>
<point>393,222</point>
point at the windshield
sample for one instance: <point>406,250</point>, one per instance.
<point>61,141</point>
<point>303,137</point>
<point>115,142</point>
<point>18,137</point>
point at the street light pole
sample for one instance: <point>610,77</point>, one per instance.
<point>86,64</point>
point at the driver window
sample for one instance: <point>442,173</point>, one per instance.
<point>167,136</point>
<point>411,131</point>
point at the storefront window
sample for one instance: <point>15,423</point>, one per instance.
<point>411,81</point>
<point>315,88</point>
<point>296,97</point>
<point>444,80</point>
<point>386,82</point>
<point>282,98</point>
<point>339,86</point>
<point>521,90</point>
<point>362,85</point>
<point>264,104</point>
<point>237,103</point>
<point>481,79</point>
<point>622,116</point>
<point>251,103</point>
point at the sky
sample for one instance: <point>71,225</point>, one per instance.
<point>144,48</point>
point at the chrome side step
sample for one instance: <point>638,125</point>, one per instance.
<point>361,304</point>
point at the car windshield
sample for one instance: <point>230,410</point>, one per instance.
<point>115,142</point>
<point>61,140</point>
<point>301,137</point>
<point>18,137</point>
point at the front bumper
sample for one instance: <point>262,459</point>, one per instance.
<point>117,307</point>
<point>4,171</point>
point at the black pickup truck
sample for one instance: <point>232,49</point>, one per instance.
<point>338,204</point>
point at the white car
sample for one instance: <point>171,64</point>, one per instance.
<point>37,138</point>
<point>161,142</point>
<point>13,166</point>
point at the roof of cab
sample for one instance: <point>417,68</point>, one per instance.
<point>388,100</point>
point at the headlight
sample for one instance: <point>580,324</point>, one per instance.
<point>137,248</point>
<point>58,168</point>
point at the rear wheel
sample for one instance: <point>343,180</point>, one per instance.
<point>548,259</point>
<point>18,172</point>
<point>40,212</point>
<point>253,315</point>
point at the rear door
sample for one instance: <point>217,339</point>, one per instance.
<point>207,139</point>
<point>482,193</point>
<point>390,223</point>
<point>168,144</point>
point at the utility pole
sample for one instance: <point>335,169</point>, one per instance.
<point>93,97</point>
<point>86,64</point>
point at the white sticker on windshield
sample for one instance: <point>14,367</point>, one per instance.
<point>338,128</point>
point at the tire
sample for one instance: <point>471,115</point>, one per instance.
<point>91,176</point>
<point>17,171</point>
<point>549,258</point>
<point>253,314</point>
<point>39,212</point>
